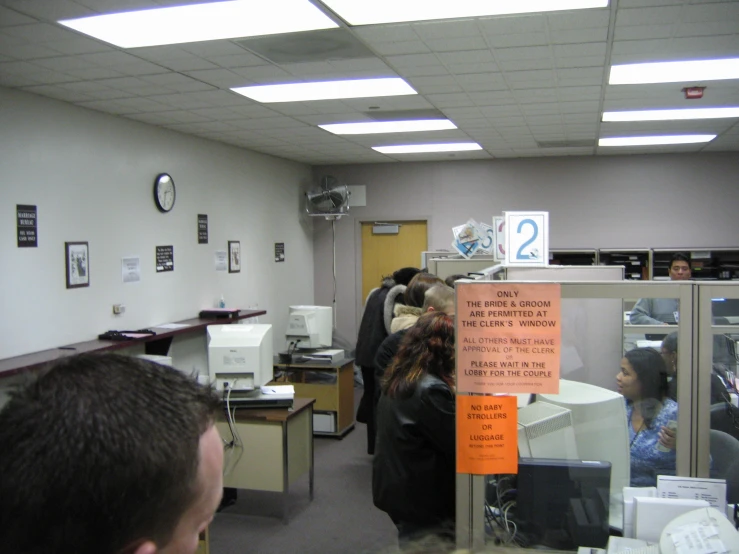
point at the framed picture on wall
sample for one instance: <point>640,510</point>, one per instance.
<point>77,256</point>
<point>234,256</point>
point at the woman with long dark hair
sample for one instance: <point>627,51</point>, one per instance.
<point>650,413</point>
<point>413,477</point>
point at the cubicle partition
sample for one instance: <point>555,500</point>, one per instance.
<point>593,335</point>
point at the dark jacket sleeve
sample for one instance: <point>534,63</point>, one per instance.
<point>439,422</point>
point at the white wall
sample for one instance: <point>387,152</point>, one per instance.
<point>657,201</point>
<point>91,176</point>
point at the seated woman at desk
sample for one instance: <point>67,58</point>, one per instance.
<point>649,414</point>
<point>413,472</point>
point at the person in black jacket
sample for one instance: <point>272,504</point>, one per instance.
<point>375,326</point>
<point>439,298</point>
<point>413,471</point>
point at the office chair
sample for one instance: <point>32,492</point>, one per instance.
<point>725,457</point>
<point>725,417</point>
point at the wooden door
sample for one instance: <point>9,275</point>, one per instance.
<point>383,254</point>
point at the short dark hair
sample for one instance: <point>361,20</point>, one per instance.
<point>680,257</point>
<point>416,290</point>
<point>101,451</point>
<point>669,343</point>
<point>404,275</point>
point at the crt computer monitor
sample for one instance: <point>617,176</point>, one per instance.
<point>309,327</point>
<point>601,433</point>
<point>563,504</point>
<point>240,356</point>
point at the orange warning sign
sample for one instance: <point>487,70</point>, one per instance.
<point>508,337</point>
<point>487,434</point>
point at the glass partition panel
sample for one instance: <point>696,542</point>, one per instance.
<point>718,415</point>
<point>604,430</point>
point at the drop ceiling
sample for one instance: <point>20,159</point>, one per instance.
<point>520,86</point>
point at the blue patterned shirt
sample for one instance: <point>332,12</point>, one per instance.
<point>646,460</point>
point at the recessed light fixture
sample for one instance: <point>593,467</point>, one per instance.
<point>655,140</point>
<point>419,148</point>
<point>198,22</point>
<point>392,11</point>
<point>670,115</point>
<point>674,72</point>
<point>374,127</point>
<point>327,90</point>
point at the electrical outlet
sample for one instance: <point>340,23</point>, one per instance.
<point>118,309</point>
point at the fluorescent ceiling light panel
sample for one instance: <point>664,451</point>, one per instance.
<point>419,148</point>
<point>356,12</point>
<point>674,72</point>
<point>656,140</point>
<point>327,90</point>
<point>671,115</point>
<point>373,127</point>
<point>198,22</point>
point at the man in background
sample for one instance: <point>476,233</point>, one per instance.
<point>662,311</point>
<point>108,454</point>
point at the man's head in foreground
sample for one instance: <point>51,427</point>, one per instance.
<point>108,454</point>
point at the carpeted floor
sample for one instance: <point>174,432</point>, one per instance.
<point>341,519</point>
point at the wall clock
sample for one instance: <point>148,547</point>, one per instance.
<point>164,192</point>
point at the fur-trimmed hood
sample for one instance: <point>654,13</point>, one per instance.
<point>406,316</point>
<point>394,296</point>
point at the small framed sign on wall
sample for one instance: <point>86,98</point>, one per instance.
<point>77,255</point>
<point>234,256</point>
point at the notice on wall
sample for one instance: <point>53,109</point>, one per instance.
<point>508,337</point>
<point>487,434</point>
<point>202,229</point>
<point>165,258</point>
<point>26,224</point>
<point>279,251</point>
<point>221,260</point>
<point>131,269</point>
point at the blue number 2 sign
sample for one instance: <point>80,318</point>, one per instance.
<point>520,255</point>
<point>527,239</point>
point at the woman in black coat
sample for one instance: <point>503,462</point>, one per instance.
<point>375,326</point>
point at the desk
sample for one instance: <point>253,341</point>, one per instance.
<point>277,448</point>
<point>155,344</point>
<point>334,394</point>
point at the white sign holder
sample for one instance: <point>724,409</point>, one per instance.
<point>526,239</point>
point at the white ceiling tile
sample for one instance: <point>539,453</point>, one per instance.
<point>474,42</point>
<point>545,75</point>
<point>445,29</point>
<point>466,56</point>
<point>581,61</point>
<point>63,63</point>
<point>413,60</point>
<point>433,80</point>
<point>532,95</point>
<point>32,52</point>
<point>648,16</point>
<point>266,74</point>
<point>441,89</point>
<point>360,64</point>
<point>524,24</point>
<point>59,92</point>
<point>191,63</point>
<point>10,17</point>
<point>308,69</point>
<point>584,19</point>
<point>243,59</point>
<point>709,12</point>
<point>526,65</point>
<point>572,36</point>
<point>58,9</point>
<point>498,98</point>
<point>644,32</point>
<point>110,106</point>
<point>526,53</point>
<point>578,50</point>
<point>451,100</point>
<point>386,33</point>
<point>213,48</point>
<point>78,45</point>
<point>517,40</point>
<point>711,28</point>
<point>473,67</point>
<point>39,32</point>
<point>423,71</point>
<point>404,47</point>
